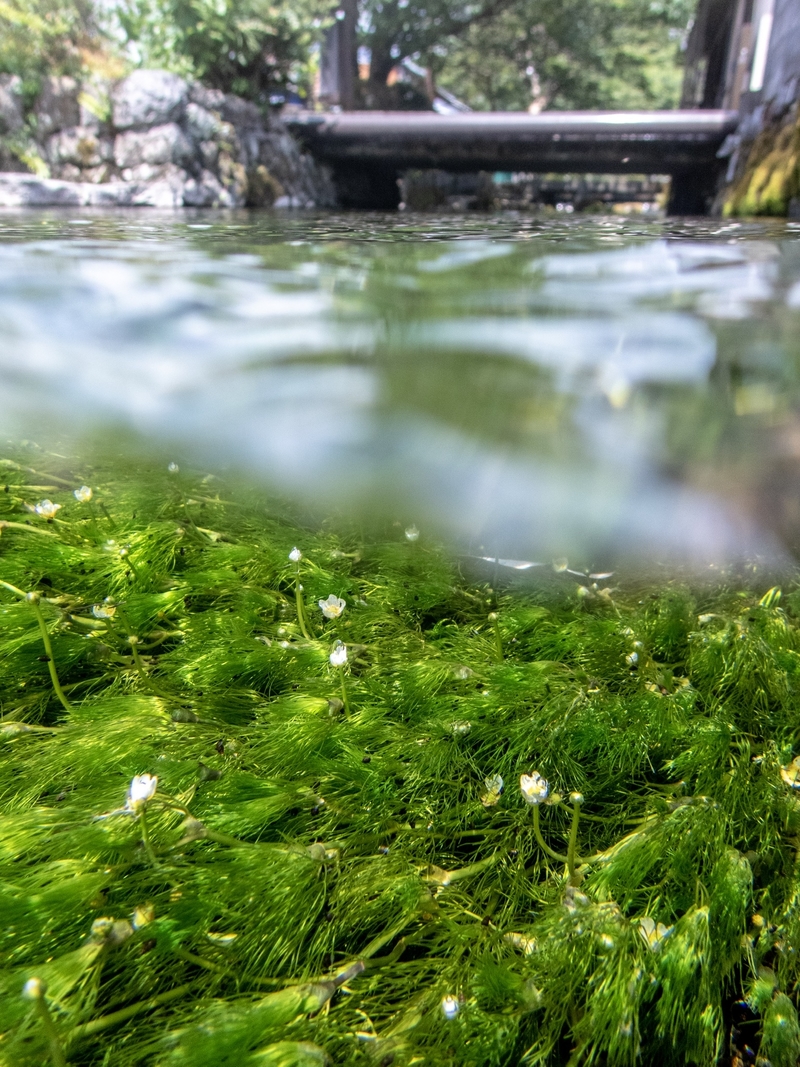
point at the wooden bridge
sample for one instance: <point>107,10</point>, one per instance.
<point>369,149</point>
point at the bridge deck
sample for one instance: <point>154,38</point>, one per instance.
<point>607,142</point>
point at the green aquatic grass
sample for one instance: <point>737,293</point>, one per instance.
<point>329,868</point>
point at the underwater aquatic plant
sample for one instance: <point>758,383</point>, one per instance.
<point>292,878</point>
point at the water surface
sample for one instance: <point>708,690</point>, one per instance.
<point>532,387</point>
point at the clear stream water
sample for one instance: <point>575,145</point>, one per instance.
<point>530,387</point>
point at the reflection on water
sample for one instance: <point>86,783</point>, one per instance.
<point>588,387</point>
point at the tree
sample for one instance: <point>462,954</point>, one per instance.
<point>249,47</point>
<point>396,29</point>
<point>553,53</point>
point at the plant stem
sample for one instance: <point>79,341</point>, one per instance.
<point>148,846</point>
<point>105,1022</point>
<point>537,830</point>
<point>301,611</point>
<point>49,652</point>
<point>573,844</point>
<point>49,1026</point>
<point>498,637</point>
<point>344,692</point>
<point>28,529</point>
<point>137,659</point>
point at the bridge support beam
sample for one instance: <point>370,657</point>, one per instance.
<point>367,187</point>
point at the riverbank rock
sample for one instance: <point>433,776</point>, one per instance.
<point>155,139</point>
<point>763,176</point>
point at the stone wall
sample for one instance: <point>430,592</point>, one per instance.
<point>763,175</point>
<point>155,139</point>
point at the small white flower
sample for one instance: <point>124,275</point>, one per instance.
<point>34,989</point>
<point>83,495</point>
<point>412,533</point>
<point>47,509</point>
<point>173,467</point>
<point>494,790</point>
<point>525,944</point>
<point>535,789</point>
<point>654,934</point>
<point>104,611</point>
<point>338,657</point>
<point>295,555</point>
<point>450,1007</point>
<point>333,607</point>
<point>141,789</point>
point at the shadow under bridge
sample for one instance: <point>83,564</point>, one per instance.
<point>368,150</point>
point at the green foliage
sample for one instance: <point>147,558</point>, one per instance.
<point>506,54</point>
<point>317,876</point>
<point>248,47</point>
<point>39,37</point>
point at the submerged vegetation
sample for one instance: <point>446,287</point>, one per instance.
<point>277,792</point>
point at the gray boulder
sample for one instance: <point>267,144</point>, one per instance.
<point>79,145</point>
<point>207,191</point>
<point>159,145</point>
<point>11,118</point>
<point>149,98</point>
<point>201,124</point>
<point>210,99</point>
<point>57,107</point>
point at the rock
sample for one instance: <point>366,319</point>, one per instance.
<point>240,113</point>
<point>156,146</point>
<point>210,99</point>
<point>165,192</point>
<point>148,98</point>
<point>26,190</point>
<point>57,107</point>
<point>201,124</point>
<point>206,191</point>
<point>79,145</point>
<point>263,189</point>
<point>11,117</point>
<point>233,177</point>
<point>209,154</point>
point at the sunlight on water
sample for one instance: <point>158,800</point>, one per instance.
<point>583,387</point>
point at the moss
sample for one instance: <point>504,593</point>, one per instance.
<point>318,876</point>
<point>771,176</point>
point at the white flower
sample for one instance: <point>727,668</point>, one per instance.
<point>34,989</point>
<point>295,555</point>
<point>525,944</point>
<point>83,495</point>
<point>338,657</point>
<point>47,509</point>
<point>333,607</point>
<point>141,789</point>
<point>654,934</point>
<point>494,790</point>
<point>535,789</point>
<point>104,611</point>
<point>450,1007</point>
<point>173,467</point>
<point>412,533</point>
